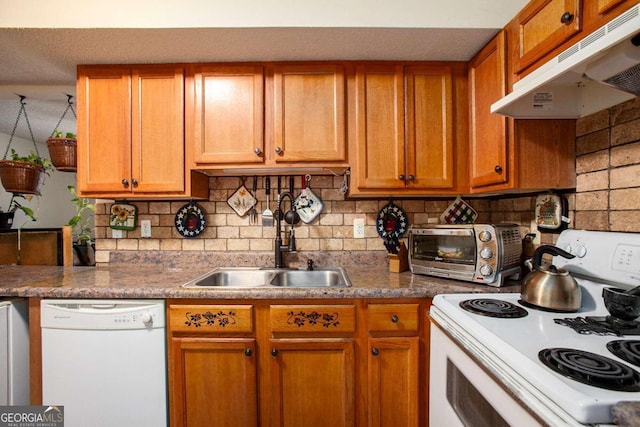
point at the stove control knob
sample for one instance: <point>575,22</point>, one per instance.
<point>486,270</point>
<point>486,253</point>
<point>581,251</point>
<point>485,236</point>
<point>568,248</point>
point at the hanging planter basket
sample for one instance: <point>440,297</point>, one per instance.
<point>62,152</point>
<point>21,177</point>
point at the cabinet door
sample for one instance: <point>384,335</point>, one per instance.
<point>104,129</point>
<point>157,125</point>
<point>544,25</point>
<point>213,382</point>
<point>312,382</point>
<point>488,132</point>
<point>379,127</point>
<point>393,381</point>
<point>228,114</point>
<point>309,113</point>
<point>429,103</point>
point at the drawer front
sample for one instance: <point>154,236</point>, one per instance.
<point>310,319</point>
<point>211,318</point>
<point>393,317</point>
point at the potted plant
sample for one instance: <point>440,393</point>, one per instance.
<point>6,217</point>
<point>24,174</point>
<point>62,150</point>
<point>80,223</point>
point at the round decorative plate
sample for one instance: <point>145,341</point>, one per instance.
<point>190,220</point>
<point>392,220</point>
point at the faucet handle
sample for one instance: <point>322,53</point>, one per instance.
<point>310,265</point>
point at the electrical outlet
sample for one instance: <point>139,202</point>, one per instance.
<point>145,228</point>
<point>358,228</point>
<point>116,234</point>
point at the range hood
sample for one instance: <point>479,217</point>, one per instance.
<point>598,72</point>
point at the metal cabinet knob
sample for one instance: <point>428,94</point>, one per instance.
<point>257,150</point>
<point>401,177</point>
<point>412,178</point>
<point>125,182</point>
<point>248,352</point>
<point>278,150</point>
<point>394,318</point>
<point>375,351</point>
<point>498,169</point>
<point>134,182</point>
<point>566,18</point>
<point>274,352</point>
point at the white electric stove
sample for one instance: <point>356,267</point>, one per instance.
<point>492,370</point>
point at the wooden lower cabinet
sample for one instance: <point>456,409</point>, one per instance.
<point>298,363</point>
<point>214,382</point>
<point>312,382</point>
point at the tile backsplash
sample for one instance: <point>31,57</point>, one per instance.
<point>607,198</point>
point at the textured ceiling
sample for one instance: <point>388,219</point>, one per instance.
<point>41,63</point>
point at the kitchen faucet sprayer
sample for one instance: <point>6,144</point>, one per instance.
<point>279,247</point>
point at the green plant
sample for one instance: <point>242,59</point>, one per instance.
<point>34,158</point>
<point>80,223</point>
<point>58,134</point>
<point>14,205</point>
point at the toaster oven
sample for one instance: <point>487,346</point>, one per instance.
<point>479,253</point>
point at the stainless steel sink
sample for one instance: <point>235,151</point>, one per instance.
<point>311,279</point>
<point>248,277</point>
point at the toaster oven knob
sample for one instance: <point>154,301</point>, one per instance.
<point>486,253</point>
<point>486,270</point>
<point>485,236</point>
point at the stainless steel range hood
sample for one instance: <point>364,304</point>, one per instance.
<point>600,71</point>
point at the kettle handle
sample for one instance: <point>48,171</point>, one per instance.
<point>548,249</point>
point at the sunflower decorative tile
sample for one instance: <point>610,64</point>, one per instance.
<point>123,217</point>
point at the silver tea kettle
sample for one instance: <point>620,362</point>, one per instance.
<point>551,288</point>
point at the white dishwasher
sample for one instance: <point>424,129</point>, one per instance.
<point>104,361</point>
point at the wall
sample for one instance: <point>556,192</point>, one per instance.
<point>607,198</point>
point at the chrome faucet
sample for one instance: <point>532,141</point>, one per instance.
<point>291,246</point>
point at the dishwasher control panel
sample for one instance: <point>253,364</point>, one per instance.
<point>102,314</point>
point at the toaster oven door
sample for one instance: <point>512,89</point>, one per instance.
<point>438,248</point>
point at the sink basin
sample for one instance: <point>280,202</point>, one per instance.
<point>311,279</point>
<point>248,277</point>
<point>233,277</point>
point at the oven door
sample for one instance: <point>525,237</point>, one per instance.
<point>462,393</point>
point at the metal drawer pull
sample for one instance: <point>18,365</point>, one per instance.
<point>375,351</point>
<point>394,318</point>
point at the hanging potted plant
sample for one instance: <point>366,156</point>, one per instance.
<point>62,150</point>
<point>24,174</point>
<point>83,242</point>
<point>62,147</point>
<point>6,217</point>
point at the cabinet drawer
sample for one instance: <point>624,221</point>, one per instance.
<point>211,318</point>
<point>308,319</point>
<point>392,317</point>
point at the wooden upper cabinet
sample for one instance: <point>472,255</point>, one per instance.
<point>429,124</point>
<point>488,138</point>
<point>379,127</point>
<point>542,26</point>
<point>402,129</point>
<point>104,129</point>
<point>157,127</point>
<point>309,113</point>
<point>131,131</point>
<point>228,120</point>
